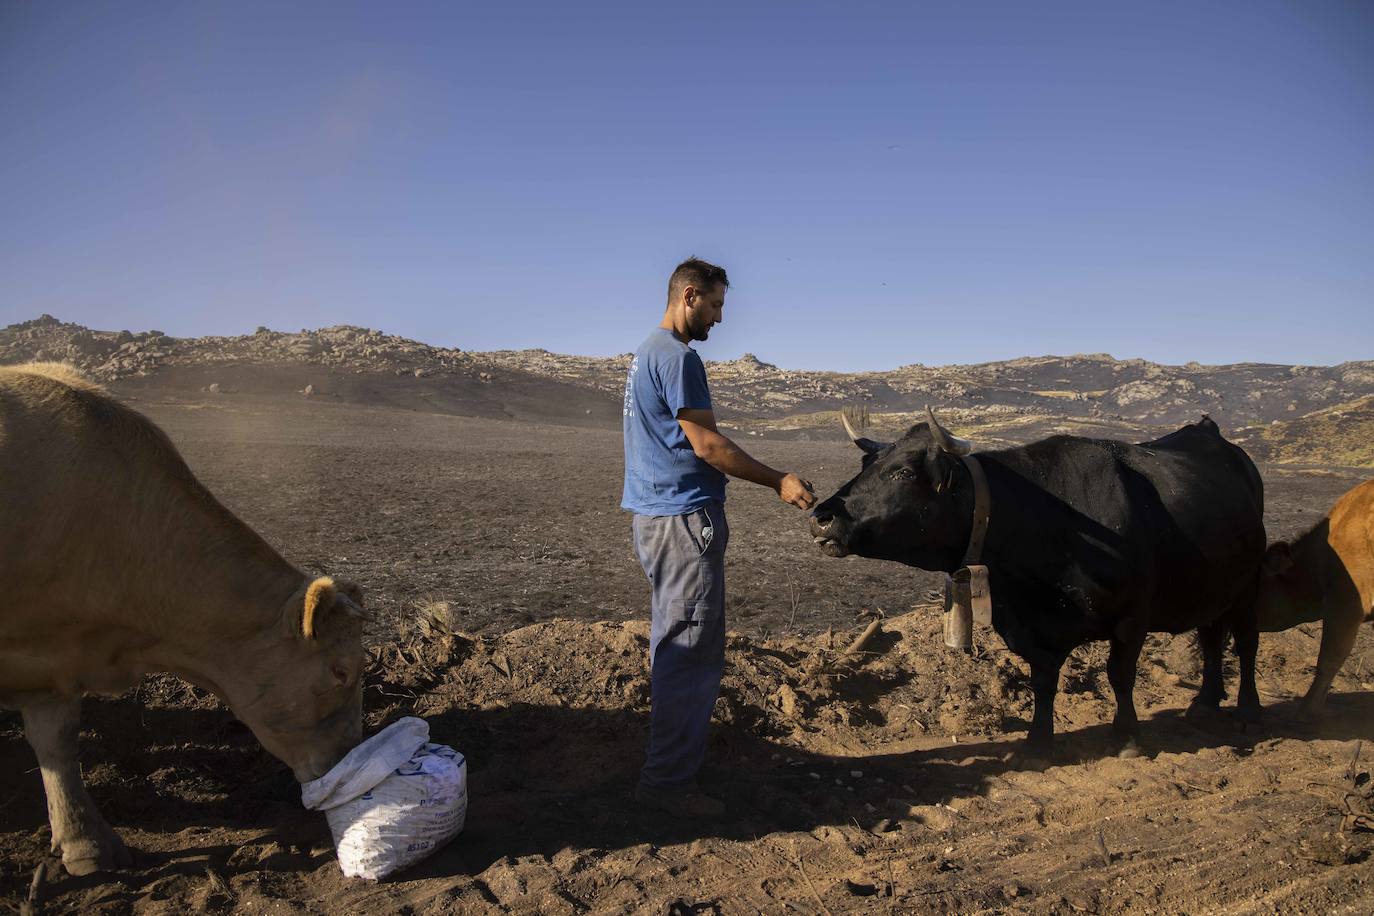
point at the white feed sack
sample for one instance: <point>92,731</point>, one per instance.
<point>393,800</point>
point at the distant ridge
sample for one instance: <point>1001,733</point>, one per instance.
<point>1083,391</point>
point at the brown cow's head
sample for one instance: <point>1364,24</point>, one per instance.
<point>304,700</point>
<point>1287,595</point>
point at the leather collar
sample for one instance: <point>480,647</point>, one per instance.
<point>982,511</point>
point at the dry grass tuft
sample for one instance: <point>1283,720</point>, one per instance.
<point>433,619</point>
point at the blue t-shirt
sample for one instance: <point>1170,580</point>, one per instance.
<point>663,476</point>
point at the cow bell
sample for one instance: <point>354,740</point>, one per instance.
<point>958,616</point>
<point>967,598</point>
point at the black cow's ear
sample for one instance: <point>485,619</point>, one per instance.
<point>939,466</point>
<point>1278,559</point>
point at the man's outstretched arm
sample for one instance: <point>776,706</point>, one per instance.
<point>728,458</point>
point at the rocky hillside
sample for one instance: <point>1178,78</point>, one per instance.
<point>1343,434</point>
<point>113,355</point>
<point>1088,387</point>
<point>1033,394</point>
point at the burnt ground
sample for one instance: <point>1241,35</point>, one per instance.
<point>512,617</point>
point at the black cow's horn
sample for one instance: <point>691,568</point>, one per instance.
<point>868,445</point>
<point>943,438</point>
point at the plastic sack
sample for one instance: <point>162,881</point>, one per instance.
<point>393,800</point>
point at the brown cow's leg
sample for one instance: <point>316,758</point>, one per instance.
<point>78,830</point>
<point>1338,637</point>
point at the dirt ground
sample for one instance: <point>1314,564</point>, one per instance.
<point>512,617</point>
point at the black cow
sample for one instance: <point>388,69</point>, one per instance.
<point>1088,539</point>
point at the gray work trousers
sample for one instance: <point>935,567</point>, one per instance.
<point>684,558</point>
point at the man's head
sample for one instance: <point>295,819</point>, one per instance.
<point>697,290</point>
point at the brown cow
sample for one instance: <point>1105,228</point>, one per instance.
<point>115,562</point>
<point>1326,574</point>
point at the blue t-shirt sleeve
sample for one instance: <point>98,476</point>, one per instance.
<point>684,384</point>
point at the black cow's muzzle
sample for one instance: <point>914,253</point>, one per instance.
<point>825,533</point>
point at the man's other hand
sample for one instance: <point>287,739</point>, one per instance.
<point>797,492</point>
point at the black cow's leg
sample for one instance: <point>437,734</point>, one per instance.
<point>1121,671</point>
<point>1035,754</point>
<point>1245,627</point>
<point>1211,640</point>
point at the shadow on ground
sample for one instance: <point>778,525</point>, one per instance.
<point>544,779</point>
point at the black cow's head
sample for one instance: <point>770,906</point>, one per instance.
<point>912,502</point>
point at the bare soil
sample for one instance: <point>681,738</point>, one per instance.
<point>512,617</point>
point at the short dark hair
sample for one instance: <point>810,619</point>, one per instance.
<point>696,273</point>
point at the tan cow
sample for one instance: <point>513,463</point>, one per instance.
<point>114,562</point>
<point>1326,574</point>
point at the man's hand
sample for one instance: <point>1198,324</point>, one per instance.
<point>797,492</point>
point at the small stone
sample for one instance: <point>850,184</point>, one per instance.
<point>787,701</point>
<point>860,889</point>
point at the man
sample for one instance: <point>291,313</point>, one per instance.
<point>675,469</point>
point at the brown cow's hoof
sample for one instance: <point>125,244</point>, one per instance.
<point>88,856</point>
<point>1034,761</point>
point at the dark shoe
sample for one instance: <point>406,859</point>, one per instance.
<point>689,804</point>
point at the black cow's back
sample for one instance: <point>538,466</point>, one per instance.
<point>1089,533</point>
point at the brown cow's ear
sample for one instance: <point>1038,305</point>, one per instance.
<point>351,600</point>
<point>352,590</point>
<point>1278,559</point>
<point>318,597</point>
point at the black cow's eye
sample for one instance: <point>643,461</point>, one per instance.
<point>900,474</point>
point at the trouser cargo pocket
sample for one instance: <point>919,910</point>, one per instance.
<point>689,620</point>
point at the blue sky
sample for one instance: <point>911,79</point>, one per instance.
<point>886,183</point>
